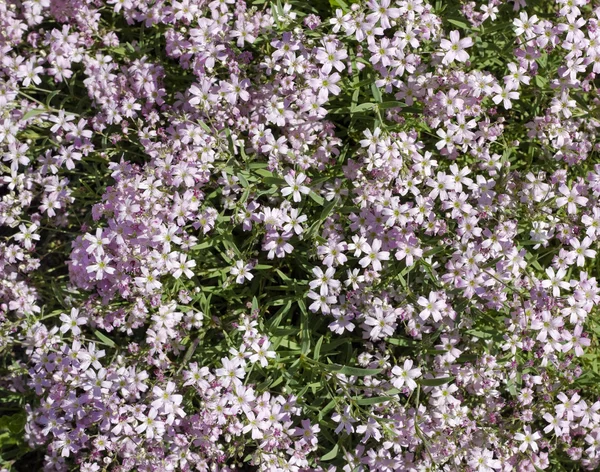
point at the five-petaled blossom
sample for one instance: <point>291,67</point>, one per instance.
<point>242,272</point>
<point>455,48</point>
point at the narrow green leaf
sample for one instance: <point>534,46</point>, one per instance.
<point>376,92</point>
<point>327,408</point>
<point>331,345</point>
<point>274,181</point>
<point>460,24</point>
<point>284,277</point>
<point>480,334</point>
<point>316,198</point>
<point>317,351</point>
<point>189,353</point>
<point>327,209</point>
<point>262,266</point>
<point>33,113</point>
<point>105,339</point>
<point>372,400</point>
<point>263,172</point>
<point>331,454</point>
<point>362,107</point>
<point>392,104</point>
<point>436,382</point>
<point>339,3</point>
<point>243,179</point>
<point>305,328</point>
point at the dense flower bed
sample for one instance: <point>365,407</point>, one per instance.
<point>305,236</point>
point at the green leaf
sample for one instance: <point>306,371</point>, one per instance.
<point>460,24</point>
<point>435,250</point>
<point>362,107</point>
<point>33,113</point>
<point>436,382</point>
<point>264,172</point>
<point>331,454</point>
<point>512,388</point>
<point>331,345</point>
<point>105,339</point>
<point>373,400</point>
<point>14,423</point>
<point>340,110</point>
<point>284,277</point>
<point>392,104</point>
<point>205,127</point>
<point>289,331</point>
<point>243,179</point>
<point>189,353</point>
<point>541,81</point>
<point>258,165</point>
<point>51,96</point>
<point>480,334</point>
<point>317,351</point>
<point>327,408</point>
<point>339,3</point>
<point>304,327</point>
<point>274,181</point>
<point>316,198</point>
<point>376,92</point>
<point>327,209</point>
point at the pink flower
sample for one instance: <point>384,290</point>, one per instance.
<point>383,324</point>
<point>455,48</point>
<point>405,375</point>
<point>571,198</point>
<point>307,432</point>
<point>150,425</point>
<point>524,25</point>
<point>505,95</point>
<point>261,353</point>
<point>581,249</point>
<point>528,439</point>
<point>72,322</point>
<point>27,235</point>
<point>432,306</point>
<point>324,280</point>
<point>242,272</point>
<point>295,186</point>
<point>97,243</point>
<point>101,267</point>
<point>374,255</point>
<point>167,400</point>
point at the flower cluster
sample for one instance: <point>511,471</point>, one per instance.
<point>305,236</point>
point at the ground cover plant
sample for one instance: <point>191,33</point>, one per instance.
<point>304,236</point>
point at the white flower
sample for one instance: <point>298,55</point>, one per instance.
<point>295,186</point>
<point>167,399</point>
<point>374,255</point>
<point>405,375</point>
<point>242,271</point>
<point>151,425</point>
<point>72,322</point>
<point>27,235</point>
<point>528,439</point>
<point>455,48</point>
<point>262,353</point>
<point>431,307</point>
